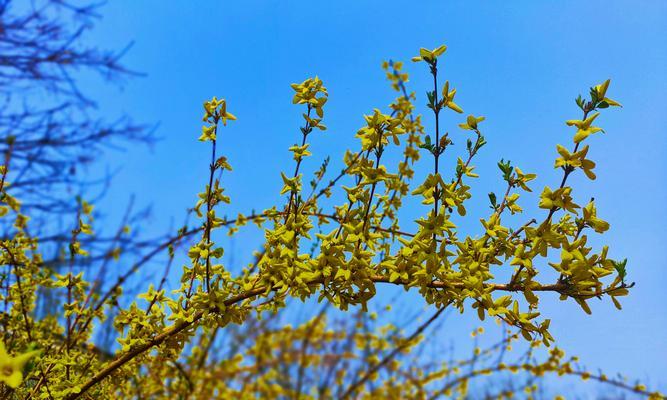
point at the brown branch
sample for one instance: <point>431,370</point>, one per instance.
<point>128,356</point>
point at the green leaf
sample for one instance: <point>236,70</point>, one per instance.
<point>620,267</point>
<point>493,199</point>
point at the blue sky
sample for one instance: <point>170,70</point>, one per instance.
<point>520,64</point>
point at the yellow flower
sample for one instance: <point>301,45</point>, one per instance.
<point>601,92</point>
<point>584,127</point>
<point>522,178</point>
<point>592,220</point>
<point>429,56</point>
<point>207,133</point>
<point>217,109</point>
<point>291,184</point>
<point>223,163</point>
<point>300,151</point>
<point>448,98</point>
<point>471,123</point>
<point>11,368</point>
<point>577,159</point>
<point>311,92</point>
<point>559,198</point>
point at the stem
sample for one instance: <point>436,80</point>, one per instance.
<point>305,131</point>
<point>378,154</point>
<point>567,171</point>
<point>436,155</point>
<point>207,231</point>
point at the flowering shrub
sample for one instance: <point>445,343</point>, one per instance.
<point>337,255</point>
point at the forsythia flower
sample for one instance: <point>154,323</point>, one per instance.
<point>300,151</point>
<point>591,218</point>
<point>291,184</point>
<point>560,198</point>
<point>11,368</point>
<point>577,159</point>
<point>307,92</point>
<point>207,133</point>
<point>448,98</point>
<point>601,91</point>
<point>584,127</point>
<point>217,109</point>
<point>522,178</point>
<point>471,123</point>
<point>429,56</point>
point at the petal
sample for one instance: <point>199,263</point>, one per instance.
<point>14,380</point>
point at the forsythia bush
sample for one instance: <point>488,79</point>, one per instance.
<point>338,255</point>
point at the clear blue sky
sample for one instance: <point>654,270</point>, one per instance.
<point>518,63</point>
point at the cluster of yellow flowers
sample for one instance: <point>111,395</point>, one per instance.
<point>341,255</point>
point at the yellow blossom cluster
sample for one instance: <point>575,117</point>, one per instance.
<point>338,252</point>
